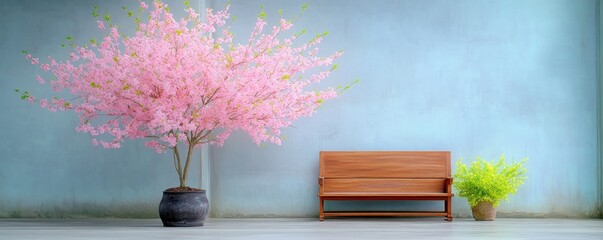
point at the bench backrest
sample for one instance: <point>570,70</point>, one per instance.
<point>384,171</point>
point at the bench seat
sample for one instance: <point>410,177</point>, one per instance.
<point>386,194</point>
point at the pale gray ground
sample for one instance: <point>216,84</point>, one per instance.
<point>294,228</point>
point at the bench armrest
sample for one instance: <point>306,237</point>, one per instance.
<point>321,181</point>
<point>448,183</point>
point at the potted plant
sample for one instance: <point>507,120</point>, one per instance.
<point>486,183</point>
<point>183,83</point>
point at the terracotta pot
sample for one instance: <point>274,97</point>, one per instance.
<point>183,209</point>
<point>484,211</point>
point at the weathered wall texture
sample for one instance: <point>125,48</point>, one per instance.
<point>600,102</point>
<point>47,169</point>
<point>478,78</point>
<point>473,77</point>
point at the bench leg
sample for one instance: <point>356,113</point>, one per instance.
<point>448,206</point>
<point>321,217</point>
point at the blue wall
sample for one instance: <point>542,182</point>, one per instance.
<point>600,101</point>
<point>473,77</point>
<point>478,78</point>
<point>47,169</point>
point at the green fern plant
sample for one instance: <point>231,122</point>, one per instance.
<point>488,181</point>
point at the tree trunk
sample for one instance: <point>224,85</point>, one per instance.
<point>183,172</point>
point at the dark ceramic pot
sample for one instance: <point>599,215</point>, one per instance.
<point>183,209</point>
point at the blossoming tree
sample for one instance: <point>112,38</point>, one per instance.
<point>186,81</point>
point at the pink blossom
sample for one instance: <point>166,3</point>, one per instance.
<point>192,14</point>
<point>74,56</point>
<point>40,79</point>
<point>175,79</point>
<point>114,33</point>
<point>85,53</point>
<point>286,25</point>
<point>112,144</point>
<point>100,25</point>
<point>45,67</point>
<point>143,5</point>
<point>87,127</point>
<point>170,140</point>
<point>44,103</point>
<point>155,145</point>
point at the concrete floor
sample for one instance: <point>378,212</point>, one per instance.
<point>285,228</point>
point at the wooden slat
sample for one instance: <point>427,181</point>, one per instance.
<point>384,194</point>
<point>385,164</point>
<point>381,185</point>
<point>386,214</point>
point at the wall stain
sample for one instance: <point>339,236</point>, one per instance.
<point>83,210</point>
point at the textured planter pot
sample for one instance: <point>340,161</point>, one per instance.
<point>183,209</point>
<point>484,211</point>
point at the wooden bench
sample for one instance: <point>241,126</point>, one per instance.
<point>381,175</point>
